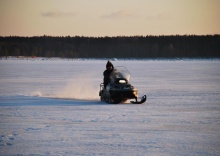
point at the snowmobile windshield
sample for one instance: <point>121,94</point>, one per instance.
<point>119,73</point>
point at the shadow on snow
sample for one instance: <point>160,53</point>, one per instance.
<point>45,101</point>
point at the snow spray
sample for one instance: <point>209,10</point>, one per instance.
<point>84,86</point>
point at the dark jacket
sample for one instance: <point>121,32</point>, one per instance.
<point>107,73</point>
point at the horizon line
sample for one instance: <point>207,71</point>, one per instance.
<point>111,36</point>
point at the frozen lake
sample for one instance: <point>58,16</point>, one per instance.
<point>52,107</point>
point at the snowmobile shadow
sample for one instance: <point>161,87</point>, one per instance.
<point>78,102</point>
<point>45,101</point>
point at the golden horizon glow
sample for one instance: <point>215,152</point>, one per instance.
<point>109,18</point>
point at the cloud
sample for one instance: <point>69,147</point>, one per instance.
<point>57,14</point>
<point>160,16</point>
<point>119,15</point>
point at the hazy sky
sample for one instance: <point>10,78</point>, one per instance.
<point>109,17</point>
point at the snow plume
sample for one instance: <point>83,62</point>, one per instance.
<point>83,87</point>
<point>36,93</point>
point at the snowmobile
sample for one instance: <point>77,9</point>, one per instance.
<point>119,90</point>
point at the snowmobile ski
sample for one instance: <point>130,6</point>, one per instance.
<point>143,99</point>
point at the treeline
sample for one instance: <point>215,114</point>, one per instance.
<point>188,46</point>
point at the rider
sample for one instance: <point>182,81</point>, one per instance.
<point>107,73</point>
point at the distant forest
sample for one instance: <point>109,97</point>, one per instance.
<point>187,46</point>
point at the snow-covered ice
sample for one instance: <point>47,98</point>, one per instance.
<point>52,107</point>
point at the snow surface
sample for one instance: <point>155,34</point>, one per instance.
<point>52,107</point>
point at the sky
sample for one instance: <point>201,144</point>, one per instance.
<point>109,17</point>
